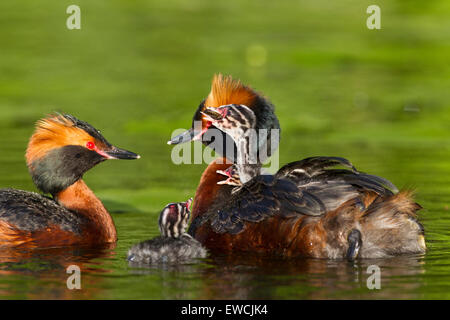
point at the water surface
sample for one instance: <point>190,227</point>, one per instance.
<point>137,71</point>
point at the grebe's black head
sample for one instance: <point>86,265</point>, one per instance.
<point>224,91</point>
<point>174,219</point>
<point>63,148</point>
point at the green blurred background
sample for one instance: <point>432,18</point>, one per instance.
<point>137,70</point>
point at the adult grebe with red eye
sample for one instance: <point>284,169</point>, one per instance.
<point>57,157</point>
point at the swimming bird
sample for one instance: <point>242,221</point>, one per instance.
<point>308,208</point>
<point>174,245</point>
<point>320,211</point>
<point>60,151</point>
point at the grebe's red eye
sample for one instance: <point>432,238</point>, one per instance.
<point>90,145</point>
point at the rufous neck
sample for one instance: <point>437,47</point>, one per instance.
<point>79,198</point>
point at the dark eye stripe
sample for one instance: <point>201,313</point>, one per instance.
<point>243,115</point>
<point>177,224</point>
<point>237,115</point>
<point>248,115</point>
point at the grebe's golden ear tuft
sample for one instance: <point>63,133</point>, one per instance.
<point>53,132</point>
<point>225,90</point>
<point>54,122</point>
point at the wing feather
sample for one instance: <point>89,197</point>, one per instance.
<point>311,186</point>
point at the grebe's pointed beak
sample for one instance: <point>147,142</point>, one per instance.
<point>186,136</point>
<point>190,135</point>
<point>117,153</point>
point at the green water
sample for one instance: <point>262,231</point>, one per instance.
<point>138,69</point>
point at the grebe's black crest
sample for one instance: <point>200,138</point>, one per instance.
<point>83,125</point>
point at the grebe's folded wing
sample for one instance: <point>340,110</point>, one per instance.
<point>262,197</point>
<point>30,211</point>
<point>312,166</point>
<point>312,186</point>
<point>324,169</point>
<point>325,178</point>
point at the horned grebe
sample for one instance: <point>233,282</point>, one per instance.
<point>60,151</point>
<point>308,208</point>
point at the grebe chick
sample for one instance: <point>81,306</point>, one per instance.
<point>174,245</point>
<point>60,151</point>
